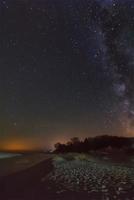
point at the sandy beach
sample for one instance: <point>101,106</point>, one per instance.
<point>24,183</point>
<point>18,163</point>
<point>74,177</point>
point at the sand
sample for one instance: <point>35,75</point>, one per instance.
<point>19,163</point>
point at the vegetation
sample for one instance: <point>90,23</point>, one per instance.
<point>103,142</point>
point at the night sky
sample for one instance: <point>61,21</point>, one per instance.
<point>66,69</point>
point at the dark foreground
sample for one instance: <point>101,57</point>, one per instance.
<point>69,179</point>
<point>26,184</point>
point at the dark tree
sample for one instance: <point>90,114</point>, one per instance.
<point>97,143</point>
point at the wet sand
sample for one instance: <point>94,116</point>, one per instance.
<point>19,163</point>
<point>26,184</point>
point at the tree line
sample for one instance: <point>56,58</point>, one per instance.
<point>94,144</point>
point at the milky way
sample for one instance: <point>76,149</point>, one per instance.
<point>118,30</point>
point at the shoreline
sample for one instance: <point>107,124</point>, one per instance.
<point>15,164</point>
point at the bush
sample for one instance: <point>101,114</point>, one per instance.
<point>82,156</point>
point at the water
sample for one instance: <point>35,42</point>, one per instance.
<point>8,155</point>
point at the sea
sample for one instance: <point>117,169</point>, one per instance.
<point>8,155</point>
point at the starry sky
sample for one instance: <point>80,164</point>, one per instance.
<point>66,69</point>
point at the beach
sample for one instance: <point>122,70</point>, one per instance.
<point>73,176</point>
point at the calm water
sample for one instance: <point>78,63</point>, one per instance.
<point>8,155</point>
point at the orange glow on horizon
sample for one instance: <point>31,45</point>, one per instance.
<point>18,145</point>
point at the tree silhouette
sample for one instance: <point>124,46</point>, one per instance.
<point>97,143</point>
